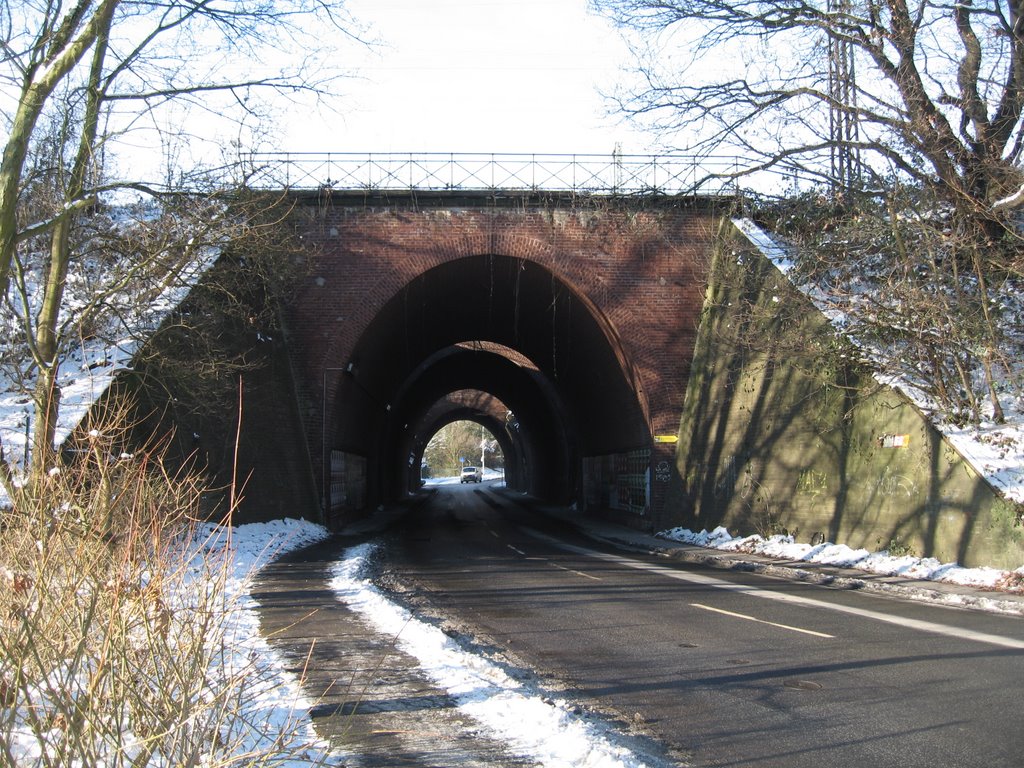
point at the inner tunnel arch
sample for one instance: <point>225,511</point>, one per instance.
<point>546,447</point>
<point>535,342</point>
<point>487,411</point>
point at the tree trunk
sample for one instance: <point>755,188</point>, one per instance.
<point>47,341</point>
<point>40,81</point>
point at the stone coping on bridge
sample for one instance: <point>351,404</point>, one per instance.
<point>501,198</point>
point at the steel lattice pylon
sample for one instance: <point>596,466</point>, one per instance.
<point>843,124</point>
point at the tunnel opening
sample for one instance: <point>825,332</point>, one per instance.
<point>547,374</point>
<point>464,441</point>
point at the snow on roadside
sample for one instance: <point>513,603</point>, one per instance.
<point>275,701</point>
<point>543,730</point>
<point>273,718</point>
<point>840,555</point>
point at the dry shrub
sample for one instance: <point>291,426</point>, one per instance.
<point>114,646</point>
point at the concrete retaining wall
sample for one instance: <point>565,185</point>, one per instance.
<point>782,431</point>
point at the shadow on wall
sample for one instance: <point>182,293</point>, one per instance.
<point>784,432</point>
<point>210,364</point>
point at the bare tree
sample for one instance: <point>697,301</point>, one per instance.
<point>938,93</point>
<point>881,267</point>
<point>926,97</point>
<point>452,443</point>
<point>84,82</point>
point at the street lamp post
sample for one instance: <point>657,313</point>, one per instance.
<point>483,448</point>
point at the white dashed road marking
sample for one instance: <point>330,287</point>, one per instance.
<point>960,633</point>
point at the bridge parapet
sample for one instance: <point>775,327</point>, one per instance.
<point>614,174</point>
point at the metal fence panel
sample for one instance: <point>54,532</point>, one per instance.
<point>580,174</point>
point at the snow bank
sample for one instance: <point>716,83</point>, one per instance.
<point>840,555</point>
<point>275,703</point>
<point>273,717</point>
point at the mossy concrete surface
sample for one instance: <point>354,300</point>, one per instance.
<point>783,430</point>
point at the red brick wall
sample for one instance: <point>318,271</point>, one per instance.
<point>640,265</point>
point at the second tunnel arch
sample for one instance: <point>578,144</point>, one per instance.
<point>488,412</point>
<point>539,448</point>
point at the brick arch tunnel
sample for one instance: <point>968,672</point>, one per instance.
<point>503,326</point>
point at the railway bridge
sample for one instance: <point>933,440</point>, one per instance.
<point>554,300</point>
<point>568,304</point>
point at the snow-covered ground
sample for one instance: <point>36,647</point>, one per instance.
<point>547,731</point>
<point>533,725</point>
<point>277,706</point>
<point>274,713</point>
<point>908,566</point>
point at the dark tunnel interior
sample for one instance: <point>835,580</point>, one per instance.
<point>506,327</point>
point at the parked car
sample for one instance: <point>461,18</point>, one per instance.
<point>470,475</point>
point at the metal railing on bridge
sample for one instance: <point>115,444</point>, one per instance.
<point>613,174</point>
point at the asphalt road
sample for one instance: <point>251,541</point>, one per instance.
<point>724,668</point>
